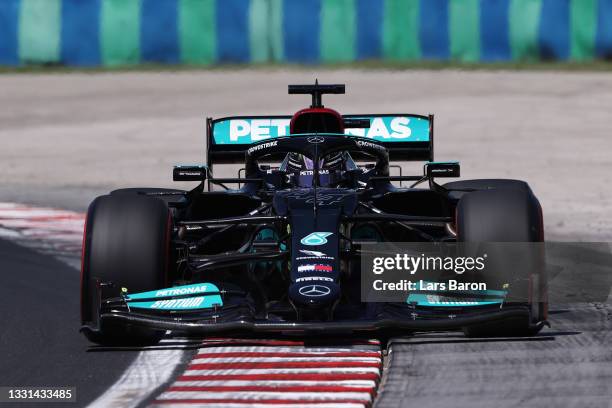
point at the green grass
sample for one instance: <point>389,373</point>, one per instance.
<point>594,66</point>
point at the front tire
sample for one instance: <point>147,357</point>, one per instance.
<point>126,243</point>
<point>506,215</point>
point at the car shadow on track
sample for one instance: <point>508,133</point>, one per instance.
<point>167,345</point>
<point>440,338</point>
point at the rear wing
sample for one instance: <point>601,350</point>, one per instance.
<point>408,137</point>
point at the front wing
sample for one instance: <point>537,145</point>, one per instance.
<point>197,310</point>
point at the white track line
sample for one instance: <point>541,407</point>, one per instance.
<point>272,383</point>
<point>289,359</point>
<point>265,395</point>
<point>295,349</point>
<point>150,370</point>
<point>330,370</point>
<point>54,232</point>
<point>260,405</point>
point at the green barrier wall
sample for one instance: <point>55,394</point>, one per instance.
<point>127,32</point>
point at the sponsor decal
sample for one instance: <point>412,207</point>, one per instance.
<point>261,147</point>
<point>370,145</point>
<point>196,288</point>
<point>206,295</point>
<point>323,198</point>
<point>326,199</point>
<point>315,268</point>
<point>311,172</point>
<point>316,238</point>
<point>435,300</point>
<point>187,303</point>
<point>185,290</point>
<point>199,302</point>
<point>254,130</point>
<point>314,290</point>
<point>314,278</point>
<point>382,128</point>
<point>314,258</point>
<point>315,140</point>
<point>317,254</point>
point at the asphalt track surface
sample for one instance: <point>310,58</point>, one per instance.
<point>67,138</point>
<point>39,341</point>
<point>569,365</point>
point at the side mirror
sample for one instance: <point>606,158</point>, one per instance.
<point>190,173</point>
<point>442,169</point>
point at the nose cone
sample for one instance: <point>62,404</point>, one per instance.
<point>315,242</point>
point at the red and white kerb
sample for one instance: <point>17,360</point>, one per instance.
<point>272,373</point>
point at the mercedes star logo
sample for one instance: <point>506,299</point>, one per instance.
<point>314,290</point>
<point>315,139</point>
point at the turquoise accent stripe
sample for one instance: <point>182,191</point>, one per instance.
<point>9,18</point>
<point>39,31</point>
<point>452,299</point>
<point>421,299</point>
<point>193,289</point>
<point>196,296</point>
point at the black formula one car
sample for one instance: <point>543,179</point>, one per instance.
<point>281,252</point>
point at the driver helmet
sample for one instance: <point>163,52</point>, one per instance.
<point>303,167</point>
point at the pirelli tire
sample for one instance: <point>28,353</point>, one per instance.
<point>126,242</point>
<point>508,212</point>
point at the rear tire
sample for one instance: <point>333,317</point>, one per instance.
<point>506,215</point>
<point>126,242</point>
